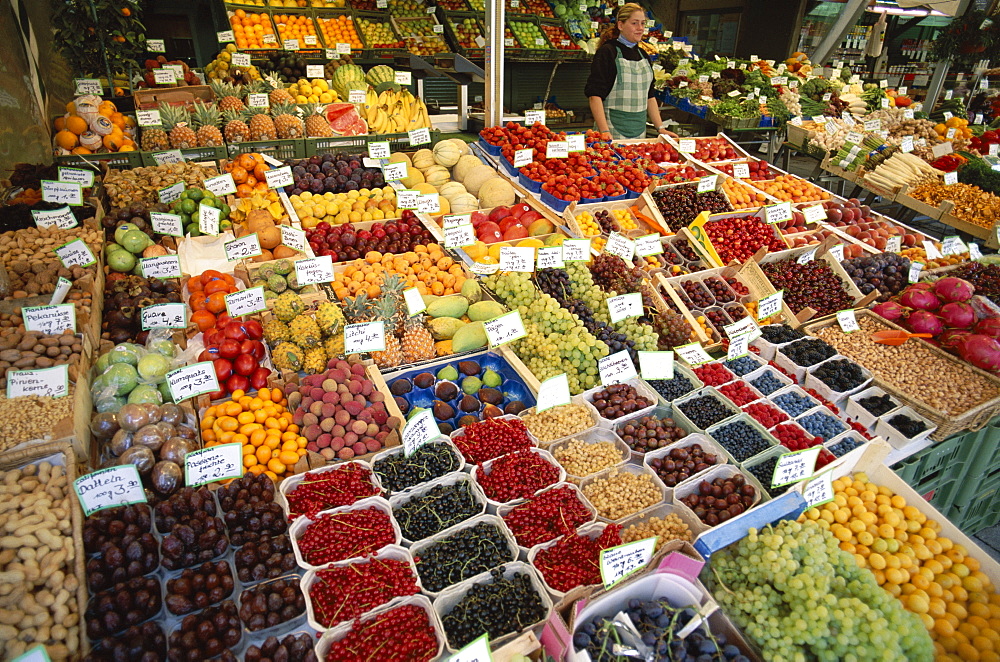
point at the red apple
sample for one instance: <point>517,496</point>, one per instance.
<point>498,213</point>
<point>245,364</point>
<point>223,369</point>
<point>489,227</point>
<point>520,209</point>
<point>490,237</point>
<point>259,377</point>
<point>478,218</point>
<point>509,222</point>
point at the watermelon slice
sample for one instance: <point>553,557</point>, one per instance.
<point>345,120</point>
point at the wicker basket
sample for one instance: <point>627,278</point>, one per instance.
<point>971,419</point>
<point>31,455</point>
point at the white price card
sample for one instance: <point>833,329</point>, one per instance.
<point>414,301</point>
<point>807,256</point>
<point>953,245</point>
<point>164,316</point>
<point>576,142</point>
<point>458,236</point>
<point>873,125</point>
<point>553,392</point>
<point>706,184</point>
<point>222,185</point>
<point>209,465</point>
<point>364,337</point>
<point>744,326</point>
<point>313,70</point>
<point>242,248</point>
<point>738,346</point>
<point>949,134</point>
<point>225,36</point>
<point>778,213</point>
<point>161,266</point>
<point>291,44</point>
<point>550,258</point>
<point>170,156</point>
<point>156,46</point>
<point>770,305</point>
<point>43,382</point>
<point>331,53</point>
<point>894,244</point>
<point>687,145</point>
<point>484,269</point>
<point>620,246</point>
<point>208,220</point>
<point>241,60</point>
<point>523,157</point>
<point>88,86</point>
<point>429,203</point>
<point>169,224</point>
<point>950,177</point>
<point>293,238</point>
<point>407,198</point>
<point>418,431</point>
<point>534,116</point>
<point>314,270</point>
<point>974,252</point>
<point>837,252</point>
<point>693,354</point>
<point>740,171</point>
<point>451,220</point>
<point>379,150</point>
<point>246,302</point>
<point>192,381</point>
<point>279,177</point>
<point>393,172</point>
<point>269,39</point>
<point>517,259</point>
<point>624,306</point>
<point>84,178</point>
<point>648,244</point>
<point>505,328</point>
<point>795,466</point>
<point>345,49</point>
<point>915,269</point>
<point>814,213</point>
<point>164,76</point>
<point>941,149</point>
<point>66,193</point>
<point>62,218</point>
<point>50,319</point>
<point>931,249</point>
<point>616,368</point>
<point>36,654</point>
<point>994,149</point>
<point>827,96</point>
<point>356,96</point>
<point>906,145</point>
<point>848,321</point>
<point>855,137</point>
<point>62,289</point>
<point>419,136</point>
<point>819,490</point>
<point>617,563</point>
<point>656,365</point>
<point>107,488</point>
<point>557,149</point>
<point>75,253</point>
<point>168,194</point>
<point>404,78</point>
<point>578,250</point>
<point>475,651</point>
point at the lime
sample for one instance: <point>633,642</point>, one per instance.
<point>209,202</point>
<point>185,219</point>
<point>194,230</point>
<point>194,193</point>
<point>185,194</point>
<point>225,210</point>
<point>188,206</point>
<point>207,193</point>
<point>224,225</point>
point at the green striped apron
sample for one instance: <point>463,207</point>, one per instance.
<point>625,106</point>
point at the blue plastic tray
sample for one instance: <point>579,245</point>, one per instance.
<point>492,150</point>
<point>553,202</point>
<point>615,198</point>
<point>509,167</point>
<point>512,386</point>
<point>530,184</point>
<point>590,201</point>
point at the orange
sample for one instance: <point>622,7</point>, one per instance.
<point>66,139</point>
<point>76,124</point>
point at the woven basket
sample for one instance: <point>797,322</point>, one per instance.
<point>30,455</point>
<point>971,419</point>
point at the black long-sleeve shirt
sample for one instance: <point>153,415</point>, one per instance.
<point>604,71</point>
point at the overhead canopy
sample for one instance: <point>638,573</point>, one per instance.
<point>949,7</point>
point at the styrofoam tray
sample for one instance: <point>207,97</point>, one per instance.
<point>884,428</point>
<point>752,422</point>
<point>452,478</point>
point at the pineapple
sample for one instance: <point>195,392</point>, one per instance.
<point>261,125</point>
<point>392,289</point>
<point>175,121</point>
<point>206,120</point>
<point>229,96</point>
<point>329,318</point>
<point>286,121</point>
<point>315,361</point>
<point>317,125</point>
<point>356,309</point>
<point>418,344</point>
<point>305,332</point>
<point>392,356</point>
<point>237,130</point>
<point>154,139</point>
<point>278,96</point>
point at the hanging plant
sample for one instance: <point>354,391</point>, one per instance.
<point>965,41</point>
<point>88,32</point>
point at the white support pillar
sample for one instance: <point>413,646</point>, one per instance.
<point>493,95</point>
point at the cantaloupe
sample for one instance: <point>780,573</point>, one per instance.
<point>477,177</point>
<point>413,178</point>
<point>424,188</point>
<point>444,205</point>
<point>496,192</point>
<point>464,203</point>
<point>463,147</point>
<point>452,189</point>
<point>423,158</point>
<point>400,157</point>
<point>446,153</point>
<point>437,175</point>
<point>464,165</point>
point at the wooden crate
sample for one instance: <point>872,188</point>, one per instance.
<point>175,96</point>
<point>921,207</point>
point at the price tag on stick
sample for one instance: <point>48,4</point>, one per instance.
<point>656,365</point>
<point>693,354</point>
<point>819,490</point>
<point>617,563</point>
<point>418,431</point>
<point>75,253</point>
<point>242,248</point>
<point>848,321</point>
<point>550,258</point>
<point>107,488</point>
<point>770,305</point>
<point>213,464</point>
<point>625,306</point>
<point>414,301</point>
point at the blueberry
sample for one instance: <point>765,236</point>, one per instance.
<point>822,425</point>
<point>846,446</point>
<point>741,439</point>
<point>742,365</point>
<point>767,383</point>
<point>793,403</point>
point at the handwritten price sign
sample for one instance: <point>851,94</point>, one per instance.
<point>505,329</point>
<point>107,488</point>
<point>48,382</point>
<point>164,316</point>
<point>192,380</point>
<point>50,319</point>
<point>616,368</point>
<point>314,270</point>
<point>246,302</point>
<point>213,464</point>
<point>793,467</point>
<point>617,563</point>
<point>364,337</point>
<point>418,431</point>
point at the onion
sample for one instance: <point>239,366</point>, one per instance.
<point>981,351</point>
<point>919,299</point>
<point>954,289</point>
<point>989,326</point>
<point>890,310</point>
<point>922,321</point>
<point>958,315</point>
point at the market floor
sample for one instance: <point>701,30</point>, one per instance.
<point>989,540</point>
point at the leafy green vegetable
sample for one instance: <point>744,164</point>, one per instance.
<point>977,173</point>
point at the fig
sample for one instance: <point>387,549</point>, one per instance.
<point>490,396</point>
<point>468,404</point>
<point>400,387</point>
<point>468,368</point>
<point>443,411</point>
<point>446,391</point>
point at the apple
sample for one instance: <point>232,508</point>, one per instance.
<point>519,210</point>
<point>515,232</point>
<point>478,218</point>
<point>489,227</point>
<point>237,383</point>
<point>529,216</point>
<point>498,213</point>
<point>229,349</point>
<point>509,222</point>
<point>490,237</point>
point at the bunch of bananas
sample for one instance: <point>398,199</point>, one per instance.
<point>395,112</point>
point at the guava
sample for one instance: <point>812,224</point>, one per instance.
<point>164,389</point>
<point>126,352</point>
<point>153,367</point>
<point>145,393</point>
<point>122,261</point>
<point>135,241</point>
<point>109,404</point>
<point>162,346</point>
<point>123,377</point>
<point>122,230</point>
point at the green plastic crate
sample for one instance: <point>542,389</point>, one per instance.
<point>277,149</point>
<point>335,145</point>
<point>400,142</point>
<point>973,488</point>
<point>943,496</point>
<point>983,510</point>
<point>119,160</point>
<point>197,154</point>
<point>933,466</point>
